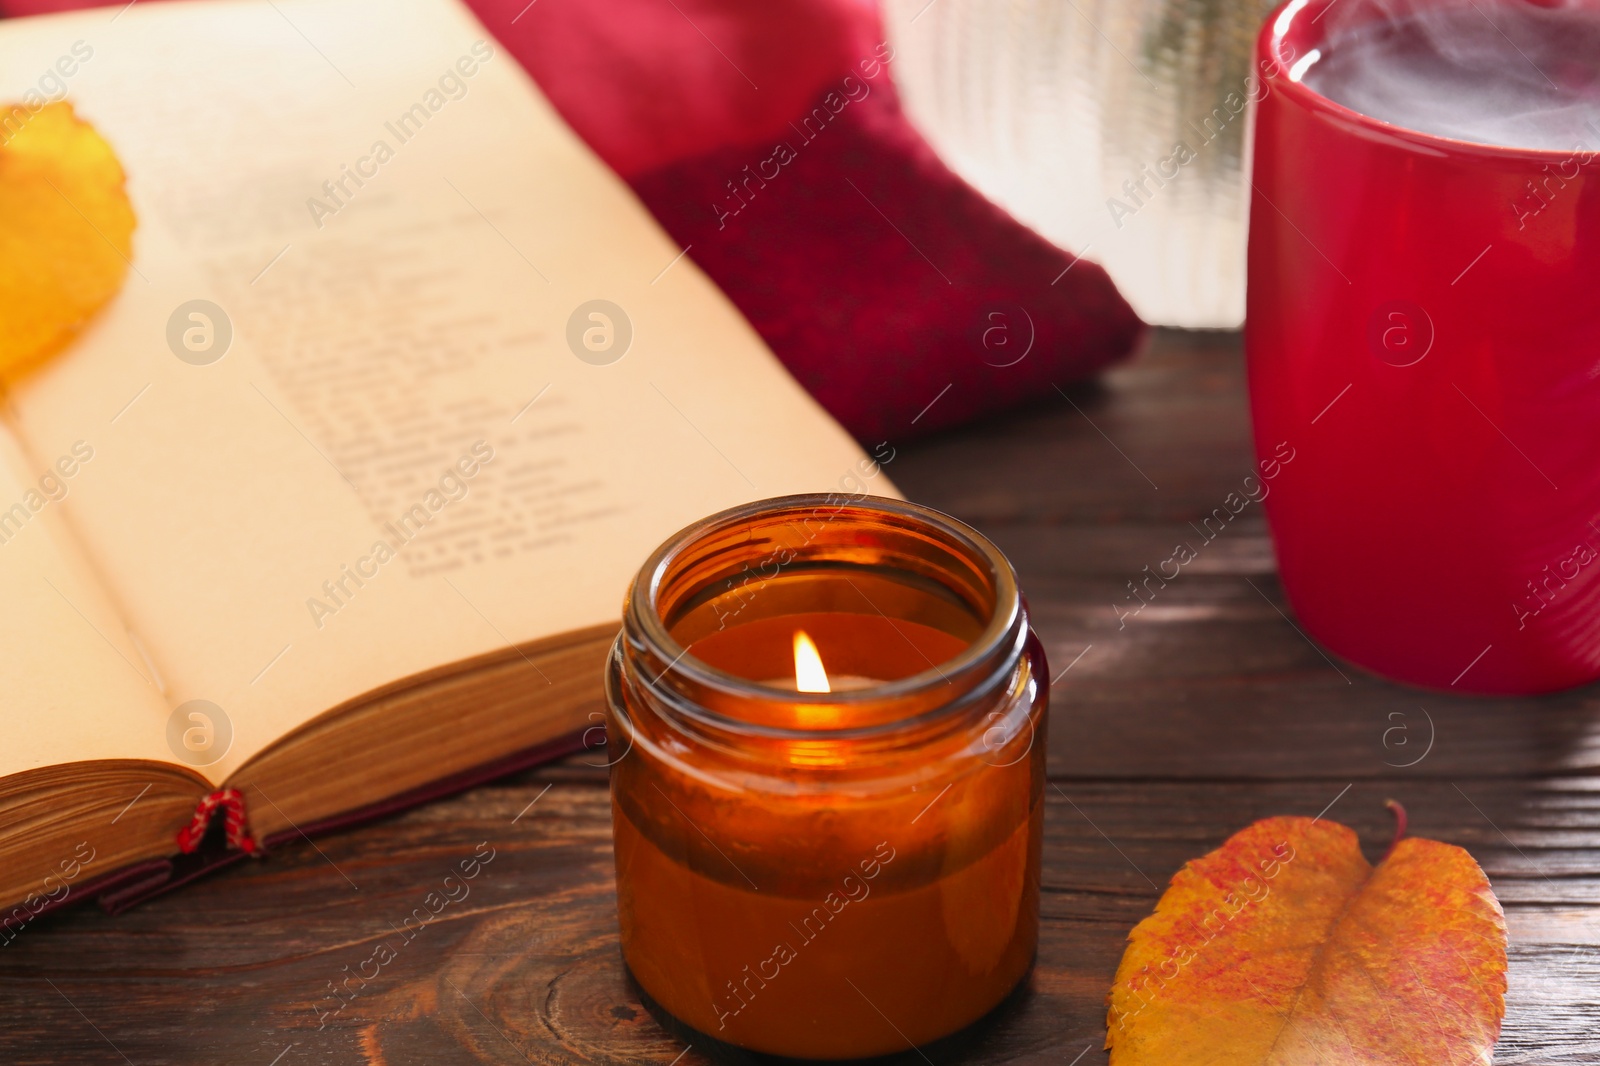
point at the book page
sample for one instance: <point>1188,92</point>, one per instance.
<point>401,374</point>
<point>77,688</point>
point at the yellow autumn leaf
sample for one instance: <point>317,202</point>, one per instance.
<point>1286,947</point>
<point>66,230</point>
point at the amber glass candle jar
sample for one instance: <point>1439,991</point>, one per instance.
<point>827,874</point>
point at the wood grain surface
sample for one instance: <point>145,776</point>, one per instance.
<point>1171,730</point>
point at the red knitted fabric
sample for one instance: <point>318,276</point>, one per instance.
<point>885,283</point>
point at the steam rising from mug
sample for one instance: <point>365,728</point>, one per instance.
<point>1518,73</point>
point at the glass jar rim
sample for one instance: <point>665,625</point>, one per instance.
<point>1004,626</point>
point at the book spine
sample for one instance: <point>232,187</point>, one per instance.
<point>235,822</point>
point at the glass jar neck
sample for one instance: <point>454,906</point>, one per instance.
<point>903,569</point>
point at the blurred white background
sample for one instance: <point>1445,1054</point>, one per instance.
<point>1062,110</point>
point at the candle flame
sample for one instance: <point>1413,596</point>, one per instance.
<point>809,675</point>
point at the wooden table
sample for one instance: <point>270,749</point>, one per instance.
<point>1206,711</point>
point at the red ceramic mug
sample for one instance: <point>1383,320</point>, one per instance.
<point>1423,331</point>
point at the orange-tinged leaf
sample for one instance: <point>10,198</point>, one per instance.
<point>66,230</point>
<point>1286,947</point>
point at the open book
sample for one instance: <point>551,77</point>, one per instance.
<point>336,503</point>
